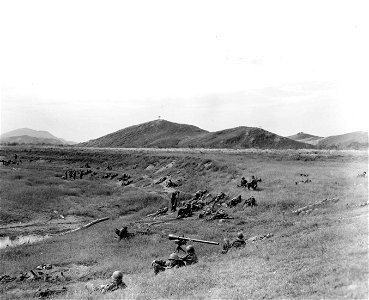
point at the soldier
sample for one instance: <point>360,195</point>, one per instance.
<point>191,257</point>
<point>116,283</point>
<point>174,200</point>
<point>123,233</point>
<point>174,261</point>
<point>239,241</point>
<point>185,212</point>
<point>226,245</point>
<point>243,182</point>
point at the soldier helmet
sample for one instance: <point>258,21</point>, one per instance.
<point>117,275</point>
<point>190,248</point>
<point>240,235</point>
<point>173,256</point>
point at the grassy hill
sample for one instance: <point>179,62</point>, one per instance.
<point>306,138</point>
<point>165,134</point>
<point>30,136</point>
<point>154,134</point>
<point>241,138</point>
<point>355,140</point>
<point>321,254</point>
<point>25,139</point>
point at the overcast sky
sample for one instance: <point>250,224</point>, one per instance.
<point>83,69</point>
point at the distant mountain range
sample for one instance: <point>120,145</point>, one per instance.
<point>306,138</point>
<point>355,140</point>
<point>30,136</point>
<point>165,134</point>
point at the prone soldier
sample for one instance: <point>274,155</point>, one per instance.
<point>174,261</point>
<point>239,241</point>
<point>115,284</point>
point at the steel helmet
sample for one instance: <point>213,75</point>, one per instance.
<point>240,235</point>
<point>117,275</point>
<point>173,256</point>
<point>190,248</point>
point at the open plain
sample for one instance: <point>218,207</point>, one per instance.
<point>319,251</point>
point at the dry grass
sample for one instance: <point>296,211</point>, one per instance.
<point>319,255</point>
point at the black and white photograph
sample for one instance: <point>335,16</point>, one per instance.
<point>171,149</point>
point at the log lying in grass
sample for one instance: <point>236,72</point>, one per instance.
<point>311,207</point>
<point>86,226</point>
<point>95,222</point>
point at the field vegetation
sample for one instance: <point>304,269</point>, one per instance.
<point>320,254</point>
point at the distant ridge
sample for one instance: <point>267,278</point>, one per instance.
<point>355,140</point>
<point>154,134</point>
<point>165,134</point>
<point>306,138</point>
<point>243,137</point>
<point>30,136</point>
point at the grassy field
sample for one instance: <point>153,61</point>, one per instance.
<point>321,254</point>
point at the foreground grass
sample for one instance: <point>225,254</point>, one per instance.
<point>320,255</point>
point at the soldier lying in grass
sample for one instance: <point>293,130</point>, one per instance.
<point>175,261</point>
<point>115,284</point>
<point>237,243</point>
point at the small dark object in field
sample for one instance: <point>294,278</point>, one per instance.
<point>161,211</point>
<point>303,181</point>
<point>250,202</point>
<point>125,183</point>
<point>162,179</point>
<point>362,174</point>
<point>237,243</point>
<point>234,201</point>
<point>49,292</point>
<point>174,200</point>
<point>219,214</point>
<point>170,183</point>
<point>185,212</point>
<point>199,194</point>
<point>123,233</point>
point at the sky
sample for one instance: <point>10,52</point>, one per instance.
<point>83,69</point>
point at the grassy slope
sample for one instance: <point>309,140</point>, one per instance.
<point>155,134</point>
<point>319,255</point>
<point>354,140</point>
<point>243,137</point>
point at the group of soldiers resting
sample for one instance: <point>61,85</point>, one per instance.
<point>252,184</point>
<point>74,174</point>
<point>8,162</point>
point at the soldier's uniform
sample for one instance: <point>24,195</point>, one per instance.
<point>174,200</point>
<point>174,261</point>
<point>239,241</point>
<point>111,286</point>
<point>191,257</point>
<point>226,246</point>
<point>115,284</point>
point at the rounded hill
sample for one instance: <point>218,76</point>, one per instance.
<point>355,140</point>
<point>243,137</point>
<point>154,134</point>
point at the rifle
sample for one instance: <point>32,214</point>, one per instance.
<point>185,239</point>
